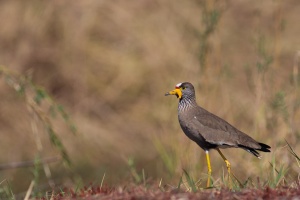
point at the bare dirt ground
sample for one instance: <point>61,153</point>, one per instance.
<point>140,192</point>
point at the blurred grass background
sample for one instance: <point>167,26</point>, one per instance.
<point>110,62</point>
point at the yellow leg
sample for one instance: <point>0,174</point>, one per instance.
<point>208,168</point>
<point>228,167</point>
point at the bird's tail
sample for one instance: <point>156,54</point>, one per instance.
<point>263,147</point>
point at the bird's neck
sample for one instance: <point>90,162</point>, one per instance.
<point>186,104</point>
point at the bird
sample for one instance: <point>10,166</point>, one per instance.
<point>210,131</point>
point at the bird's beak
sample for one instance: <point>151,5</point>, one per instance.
<point>176,92</point>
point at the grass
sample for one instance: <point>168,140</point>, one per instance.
<point>6,190</point>
<point>34,97</point>
<point>276,180</point>
<point>186,184</point>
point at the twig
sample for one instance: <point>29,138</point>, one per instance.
<point>28,193</point>
<point>102,181</point>
<point>29,163</point>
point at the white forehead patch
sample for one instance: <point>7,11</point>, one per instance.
<point>178,85</point>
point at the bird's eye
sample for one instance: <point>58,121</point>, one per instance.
<point>183,88</point>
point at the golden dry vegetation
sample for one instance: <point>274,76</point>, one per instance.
<point>109,64</point>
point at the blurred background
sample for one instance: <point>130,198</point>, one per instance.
<point>109,64</point>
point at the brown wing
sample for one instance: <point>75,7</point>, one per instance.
<point>219,132</point>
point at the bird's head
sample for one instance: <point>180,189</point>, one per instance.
<point>182,90</point>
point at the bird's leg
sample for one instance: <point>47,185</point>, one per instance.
<point>227,165</point>
<point>208,168</point>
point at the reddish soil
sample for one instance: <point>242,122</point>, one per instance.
<point>140,192</point>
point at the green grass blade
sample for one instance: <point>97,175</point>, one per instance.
<point>293,152</point>
<point>190,181</point>
<point>180,182</point>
